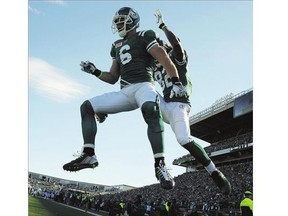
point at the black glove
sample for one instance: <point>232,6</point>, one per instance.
<point>100,117</point>
<point>90,68</point>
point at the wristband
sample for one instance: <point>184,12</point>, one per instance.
<point>97,73</point>
<point>162,25</point>
<point>100,75</point>
<point>175,79</point>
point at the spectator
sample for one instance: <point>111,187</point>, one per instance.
<point>246,205</point>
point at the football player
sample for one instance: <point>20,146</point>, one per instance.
<point>176,111</point>
<point>132,59</point>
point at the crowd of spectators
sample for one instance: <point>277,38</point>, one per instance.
<point>194,194</point>
<point>238,141</point>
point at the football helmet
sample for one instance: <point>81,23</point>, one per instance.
<point>125,20</point>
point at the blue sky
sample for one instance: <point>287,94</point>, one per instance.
<point>216,34</point>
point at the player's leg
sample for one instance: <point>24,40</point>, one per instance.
<point>164,109</point>
<point>178,114</point>
<point>108,103</point>
<point>179,121</point>
<point>147,99</point>
<point>89,127</point>
<point>87,158</point>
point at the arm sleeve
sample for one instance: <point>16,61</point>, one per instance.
<point>149,38</point>
<point>113,51</point>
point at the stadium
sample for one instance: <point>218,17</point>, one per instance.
<point>227,125</point>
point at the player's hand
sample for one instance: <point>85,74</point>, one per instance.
<point>159,18</point>
<point>90,68</point>
<point>101,117</point>
<point>178,90</point>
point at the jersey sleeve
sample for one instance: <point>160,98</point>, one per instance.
<point>184,62</point>
<point>113,51</point>
<point>149,38</point>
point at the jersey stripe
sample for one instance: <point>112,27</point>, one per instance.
<point>180,63</point>
<point>141,33</point>
<point>150,45</point>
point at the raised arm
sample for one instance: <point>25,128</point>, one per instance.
<point>172,38</point>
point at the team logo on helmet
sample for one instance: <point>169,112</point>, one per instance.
<point>133,14</point>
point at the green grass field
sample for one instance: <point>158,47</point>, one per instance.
<point>42,207</point>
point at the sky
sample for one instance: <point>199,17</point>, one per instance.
<point>32,141</point>
<point>217,36</point>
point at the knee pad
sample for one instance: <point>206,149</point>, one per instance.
<point>86,108</point>
<point>152,116</point>
<point>183,139</point>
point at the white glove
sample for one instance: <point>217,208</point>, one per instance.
<point>90,68</point>
<point>178,90</point>
<point>159,20</point>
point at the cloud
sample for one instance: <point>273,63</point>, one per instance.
<point>34,10</point>
<point>52,82</point>
<point>59,2</point>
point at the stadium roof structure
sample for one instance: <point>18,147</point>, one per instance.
<point>228,117</point>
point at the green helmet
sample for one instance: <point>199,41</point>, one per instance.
<point>125,20</point>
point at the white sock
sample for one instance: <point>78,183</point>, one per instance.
<point>211,167</point>
<point>88,145</point>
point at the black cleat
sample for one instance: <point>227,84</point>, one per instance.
<point>164,177</point>
<point>221,181</point>
<point>82,162</point>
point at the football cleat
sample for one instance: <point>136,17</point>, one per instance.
<point>221,181</point>
<point>82,162</point>
<point>164,177</point>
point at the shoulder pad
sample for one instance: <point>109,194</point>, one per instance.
<point>149,33</point>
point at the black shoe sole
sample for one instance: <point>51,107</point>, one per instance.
<point>167,185</point>
<point>77,168</point>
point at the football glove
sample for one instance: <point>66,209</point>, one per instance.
<point>101,117</point>
<point>159,20</point>
<point>178,90</point>
<point>90,68</point>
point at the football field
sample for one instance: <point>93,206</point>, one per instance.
<point>44,207</point>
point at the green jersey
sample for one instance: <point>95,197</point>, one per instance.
<point>165,82</point>
<point>133,58</point>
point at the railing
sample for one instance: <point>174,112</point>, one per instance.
<point>218,104</point>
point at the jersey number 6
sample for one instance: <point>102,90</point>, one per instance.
<point>125,57</point>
